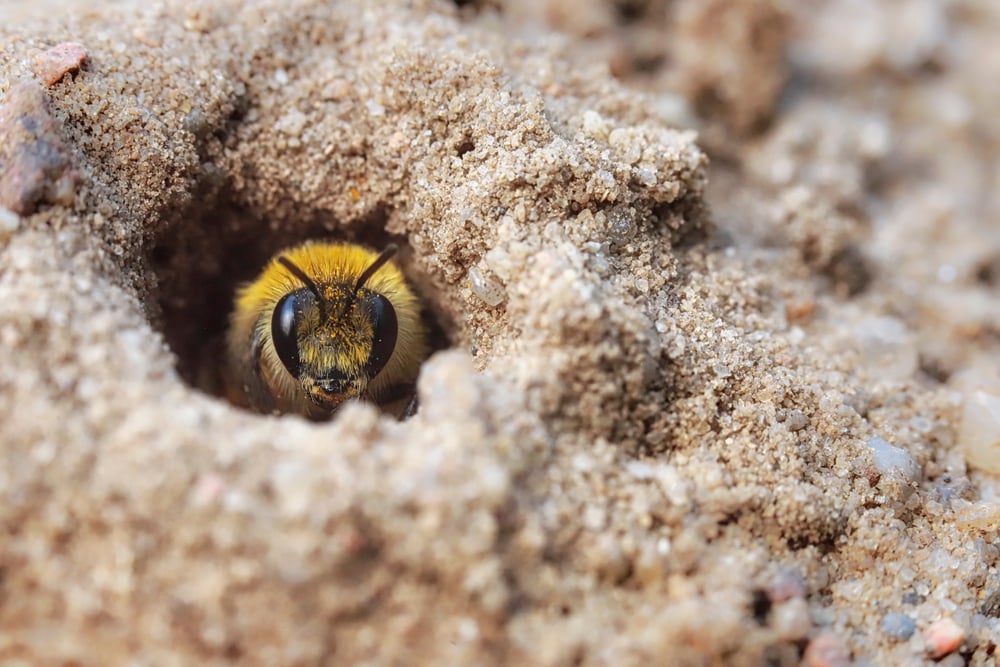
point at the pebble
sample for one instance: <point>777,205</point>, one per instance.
<point>942,637</point>
<point>796,420</point>
<point>10,222</point>
<point>898,626</point>
<point>594,124</point>
<point>890,459</point>
<point>979,434</point>
<point>487,288</point>
<point>621,225</point>
<point>983,515</point>
<point>52,65</point>
<point>292,123</point>
<point>791,620</point>
<point>787,583</point>
<point>826,650</point>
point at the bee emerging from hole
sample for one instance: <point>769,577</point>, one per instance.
<point>324,323</point>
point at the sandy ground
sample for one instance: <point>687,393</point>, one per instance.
<point>715,296</point>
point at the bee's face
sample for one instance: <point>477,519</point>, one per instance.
<point>324,323</point>
<point>335,345</point>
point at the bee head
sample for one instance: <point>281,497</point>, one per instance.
<point>334,339</point>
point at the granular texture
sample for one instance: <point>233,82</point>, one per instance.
<point>696,399</point>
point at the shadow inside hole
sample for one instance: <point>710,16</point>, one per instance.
<point>202,260</point>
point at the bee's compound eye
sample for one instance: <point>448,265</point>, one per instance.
<point>284,332</point>
<point>385,327</point>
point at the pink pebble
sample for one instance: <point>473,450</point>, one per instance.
<point>943,637</point>
<point>52,65</point>
<point>826,650</point>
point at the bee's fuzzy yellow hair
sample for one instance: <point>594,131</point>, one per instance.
<point>272,388</point>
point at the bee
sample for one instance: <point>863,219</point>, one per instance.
<point>324,323</point>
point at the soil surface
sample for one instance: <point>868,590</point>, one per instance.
<point>715,298</point>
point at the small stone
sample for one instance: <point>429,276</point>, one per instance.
<point>788,583</point>
<point>10,222</point>
<point>796,420</point>
<point>621,225</point>
<point>942,637</point>
<point>791,620</point>
<point>645,176</point>
<point>52,65</point>
<point>983,515</point>
<point>292,123</point>
<point>486,287</point>
<point>979,434</point>
<point>826,650</point>
<point>890,459</point>
<point>898,626</point>
<point>605,178</point>
<point>594,124</point>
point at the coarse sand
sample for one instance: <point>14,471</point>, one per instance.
<point>714,297</point>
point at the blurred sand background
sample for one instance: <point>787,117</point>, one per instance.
<point>715,292</point>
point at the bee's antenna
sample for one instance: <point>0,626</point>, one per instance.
<point>307,281</point>
<point>380,261</point>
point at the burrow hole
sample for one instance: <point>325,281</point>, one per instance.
<point>203,258</point>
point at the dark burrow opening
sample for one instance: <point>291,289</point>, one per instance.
<point>202,259</point>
